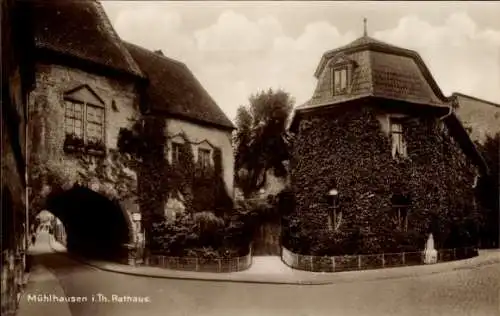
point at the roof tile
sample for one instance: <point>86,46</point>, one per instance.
<point>173,89</point>
<point>79,29</point>
<point>379,70</point>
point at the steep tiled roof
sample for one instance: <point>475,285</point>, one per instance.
<point>79,29</point>
<point>380,70</point>
<point>174,90</point>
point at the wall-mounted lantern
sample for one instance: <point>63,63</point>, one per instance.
<point>332,197</point>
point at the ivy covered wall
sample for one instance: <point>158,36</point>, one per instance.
<point>351,153</point>
<point>201,189</point>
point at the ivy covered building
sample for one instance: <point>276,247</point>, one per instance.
<point>379,159</point>
<point>108,121</point>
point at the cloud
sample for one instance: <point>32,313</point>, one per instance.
<point>155,29</point>
<point>461,57</point>
<point>236,33</point>
<point>235,55</point>
<point>263,56</point>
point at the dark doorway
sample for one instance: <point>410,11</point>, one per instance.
<point>96,227</point>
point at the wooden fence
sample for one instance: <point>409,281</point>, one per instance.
<point>364,262</point>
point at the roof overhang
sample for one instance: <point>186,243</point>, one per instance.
<point>389,104</point>
<point>50,55</point>
<point>460,134</point>
<point>166,114</point>
<point>456,128</point>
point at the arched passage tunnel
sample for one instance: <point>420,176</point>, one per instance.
<point>96,227</point>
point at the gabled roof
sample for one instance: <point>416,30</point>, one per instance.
<point>457,96</point>
<point>79,29</point>
<point>460,134</point>
<point>175,91</point>
<point>379,70</point>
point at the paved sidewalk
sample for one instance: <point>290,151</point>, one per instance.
<point>42,282</point>
<point>271,269</point>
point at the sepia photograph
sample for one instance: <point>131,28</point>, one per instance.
<point>251,158</point>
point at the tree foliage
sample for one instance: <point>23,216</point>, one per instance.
<point>260,138</point>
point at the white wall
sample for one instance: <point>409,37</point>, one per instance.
<point>219,138</point>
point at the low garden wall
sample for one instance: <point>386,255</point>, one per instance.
<point>201,264</point>
<point>364,262</point>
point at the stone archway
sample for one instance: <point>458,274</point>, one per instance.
<point>96,225</point>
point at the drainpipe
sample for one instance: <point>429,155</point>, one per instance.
<point>442,118</point>
<point>446,115</point>
<point>26,259</point>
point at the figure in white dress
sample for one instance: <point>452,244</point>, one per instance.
<point>430,253</point>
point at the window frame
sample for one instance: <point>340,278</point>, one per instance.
<point>68,103</point>
<point>340,70</point>
<point>88,122</point>
<point>398,209</point>
<point>204,164</point>
<point>176,148</point>
<point>398,143</point>
<point>85,122</point>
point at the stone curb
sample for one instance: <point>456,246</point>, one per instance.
<point>316,278</point>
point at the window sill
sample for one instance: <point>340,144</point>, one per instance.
<point>84,150</point>
<point>340,93</point>
<point>73,148</point>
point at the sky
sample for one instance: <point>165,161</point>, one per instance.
<point>237,48</point>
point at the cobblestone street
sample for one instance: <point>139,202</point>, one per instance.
<point>468,291</point>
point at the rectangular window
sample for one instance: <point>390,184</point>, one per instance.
<point>93,124</point>
<point>398,143</point>
<point>176,152</point>
<point>204,157</point>
<point>400,206</point>
<point>340,81</point>
<point>73,119</point>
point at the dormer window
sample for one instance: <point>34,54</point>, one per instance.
<point>340,80</point>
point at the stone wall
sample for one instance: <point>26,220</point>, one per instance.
<point>13,227</point>
<point>14,222</point>
<point>48,158</point>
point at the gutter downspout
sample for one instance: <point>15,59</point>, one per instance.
<point>447,115</point>
<point>442,118</point>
